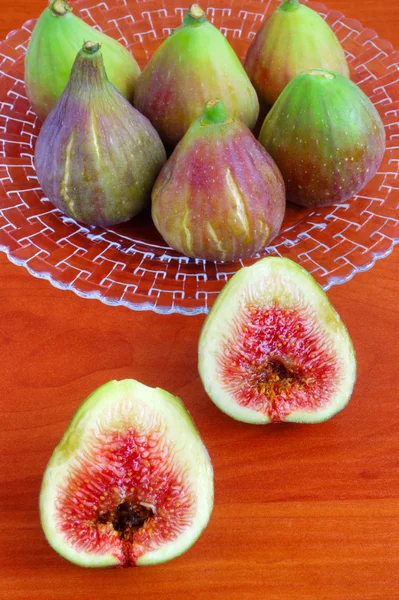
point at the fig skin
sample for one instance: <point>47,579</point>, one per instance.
<point>193,65</point>
<point>56,39</point>
<point>308,339</point>
<point>220,196</point>
<point>293,39</point>
<point>96,156</point>
<point>326,137</point>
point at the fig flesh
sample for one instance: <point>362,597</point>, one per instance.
<point>220,196</point>
<point>193,65</point>
<point>326,137</point>
<point>56,39</point>
<point>293,39</point>
<point>130,483</point>
<point>96,156</point>
<point>273,348</point>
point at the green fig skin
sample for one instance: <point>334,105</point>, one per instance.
<point>292,40</point>
<point>96,156</point>
<point>196,63</point>
<point>220,196</point>
<point>56,39</point>
<point>325,136</point>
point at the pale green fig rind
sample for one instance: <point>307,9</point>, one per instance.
<point>51,52</point>
<point>179,427</point>
<point>257,280</point>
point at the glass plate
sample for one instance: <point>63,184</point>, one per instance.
<point>130,265</point>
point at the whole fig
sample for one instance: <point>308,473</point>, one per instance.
<point>220,196</point>
<point>192,65</point>
<point>96,156</point>
<point>56,38</point>
<point>326,137</point>
<point>293,39</point>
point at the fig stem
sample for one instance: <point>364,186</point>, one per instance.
<point>91,47</point>
<point>321,73</point>
<point>214,112</point>
<point>194,16</point>
<point>59,8</point>
<point>88,71</point>
<point>289,4</point>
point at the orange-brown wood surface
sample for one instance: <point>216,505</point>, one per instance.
<point>304,512</point>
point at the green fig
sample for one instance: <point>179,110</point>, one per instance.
<point>220,196</point>
<point>96,156</point>
<point>293,39</point>
<point>326,137</point>
<point>194,64</point>
<point>56,39</point>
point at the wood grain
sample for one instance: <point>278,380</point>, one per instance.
<point>304,512</point>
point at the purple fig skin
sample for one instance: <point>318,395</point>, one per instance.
<point>220,196</point>
<point>326,137</point>
<point>96,156</point>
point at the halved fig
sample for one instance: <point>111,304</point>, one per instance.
<point>274,349</point>
<point>130,483</point>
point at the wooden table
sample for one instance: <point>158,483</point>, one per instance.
<point>310,513</point>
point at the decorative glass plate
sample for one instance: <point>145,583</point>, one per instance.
<point>130,265</point>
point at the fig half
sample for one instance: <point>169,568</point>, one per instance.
<point>130,483</point>
<point>274,349</point>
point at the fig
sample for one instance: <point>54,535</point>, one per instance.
<point>56,39</point>
<point>130,483</point>
<point>96,156</point>
<point>273,348</point>
<point>293,39</point>
<point>193,65</point>
<point>220,196</point>
<point>326,137</point>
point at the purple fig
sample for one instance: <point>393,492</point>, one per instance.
<point>96,156</point>
<point>220,196</point>
<point>194,64</point>
<point>293,39</point>
<point>326,137</point>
